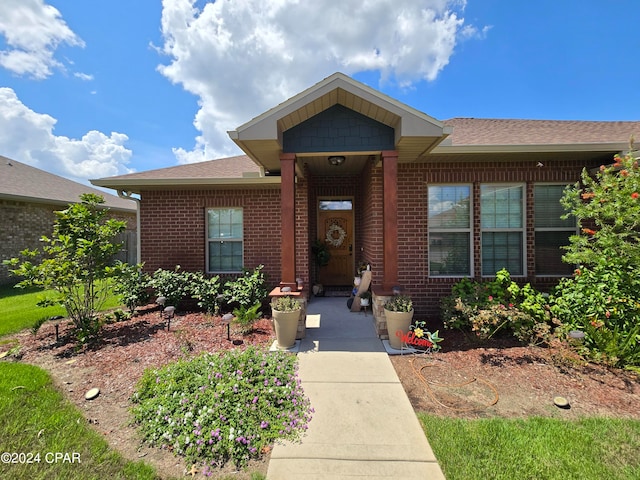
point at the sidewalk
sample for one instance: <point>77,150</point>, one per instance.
<point>364,425</point>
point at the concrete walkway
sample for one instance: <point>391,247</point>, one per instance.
<point>364,425</point>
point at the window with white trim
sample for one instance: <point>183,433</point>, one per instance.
<point>224,240</point>
<point>449,231</point>
<point>551,231</point>
<point>502,228</point>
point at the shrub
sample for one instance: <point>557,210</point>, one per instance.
<point>500,305</point>
<point>174,285</point>
<point>132,285</point>
<point>603,297</point>
<point>206,291</point>
<point>246,316</point>
<point>217,408</point>
<point>248,289</point>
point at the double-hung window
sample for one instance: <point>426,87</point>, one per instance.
<point>502,228</point>
<point>551,231</point>
<point>224,240</point>
<point>450,227</point>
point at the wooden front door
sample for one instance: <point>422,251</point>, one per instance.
<point>335,228</point>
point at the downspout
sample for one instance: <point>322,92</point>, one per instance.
<point>128,196</point>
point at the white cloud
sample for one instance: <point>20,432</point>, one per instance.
<point>33,31</point>
<point>83,76</point>
<point>242,57</point>
<point>27,136</point>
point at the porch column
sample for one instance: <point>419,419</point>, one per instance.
<point>390,218</point>
<point>287,212</point>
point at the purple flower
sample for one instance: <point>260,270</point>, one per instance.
<point>264,424</point>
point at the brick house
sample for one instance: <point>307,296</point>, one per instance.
<point>28,198</point>
<point>425,202</point>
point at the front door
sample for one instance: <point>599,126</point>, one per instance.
<point>335,229</point>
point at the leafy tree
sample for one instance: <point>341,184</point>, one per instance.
<point>75,261</point>
<point>603,297</point>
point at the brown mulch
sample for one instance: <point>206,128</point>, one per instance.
<point>115,365</point>
<point>469,379</point>
<point>475,379</point>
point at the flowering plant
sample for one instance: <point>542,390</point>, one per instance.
<point>214,408</point>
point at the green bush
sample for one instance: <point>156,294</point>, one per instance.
<point>132,285</point>
<point>248,289</point>
<point>498,306</point>
<point>246,316</point>
<point>603,297</point>
<point>217,408</point>
<point>206,291</point>
<point>174,285</point>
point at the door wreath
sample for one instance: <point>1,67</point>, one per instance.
<point>335,235</point>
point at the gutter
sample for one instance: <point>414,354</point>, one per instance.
<point>128,196</point>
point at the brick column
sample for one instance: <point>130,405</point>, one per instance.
<point>390,218</point>
<point>287,211</point>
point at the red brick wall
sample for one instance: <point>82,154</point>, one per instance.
<point>173,227</point>
<point>413,180</point>
<point>173,223</point>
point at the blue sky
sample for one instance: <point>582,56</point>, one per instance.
<point>94,88</point>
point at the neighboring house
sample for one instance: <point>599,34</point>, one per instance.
<point>425,202</point>
<point>28,198</point>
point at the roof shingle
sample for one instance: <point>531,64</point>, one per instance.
<point>22,182</point>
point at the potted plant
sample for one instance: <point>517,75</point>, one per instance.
<point>285,312</point>
<point>365,298</point>
<point>398,311</point>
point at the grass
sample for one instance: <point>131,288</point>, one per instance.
<point>35,419</point>
<point>19,308</point>
<point>535,448</point>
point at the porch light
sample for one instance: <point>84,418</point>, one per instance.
<point>336,160</point>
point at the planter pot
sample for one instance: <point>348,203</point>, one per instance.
<point>364,302</point>
<point>398,324</point>
<point>286,327</point>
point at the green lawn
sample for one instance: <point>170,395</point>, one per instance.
<point>37,421</point>
<point>19,309</point>
<point>535,448</point>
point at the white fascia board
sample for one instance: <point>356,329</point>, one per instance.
<point>541,148</point>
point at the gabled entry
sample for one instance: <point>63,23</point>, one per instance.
<point>336,117</point>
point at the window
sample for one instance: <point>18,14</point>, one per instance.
<point>502,228</point>
<point>551,231</point>
<point>224,240</point>
<point>449,230</point>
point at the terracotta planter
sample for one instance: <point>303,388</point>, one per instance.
<point>286,327</point>
<point>397,322</point>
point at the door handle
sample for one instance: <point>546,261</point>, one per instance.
<point>351,249</point>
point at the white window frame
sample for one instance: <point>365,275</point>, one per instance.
<point>573,231</point>
<point>209,240</point>
<point>468,230</point>
<point>522,229</point>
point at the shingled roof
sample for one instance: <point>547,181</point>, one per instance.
<point>480,131</point>
<point>470,135</point>
<point>21,182</point>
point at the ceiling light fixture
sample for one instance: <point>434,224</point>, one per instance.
<point>336,160</point>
